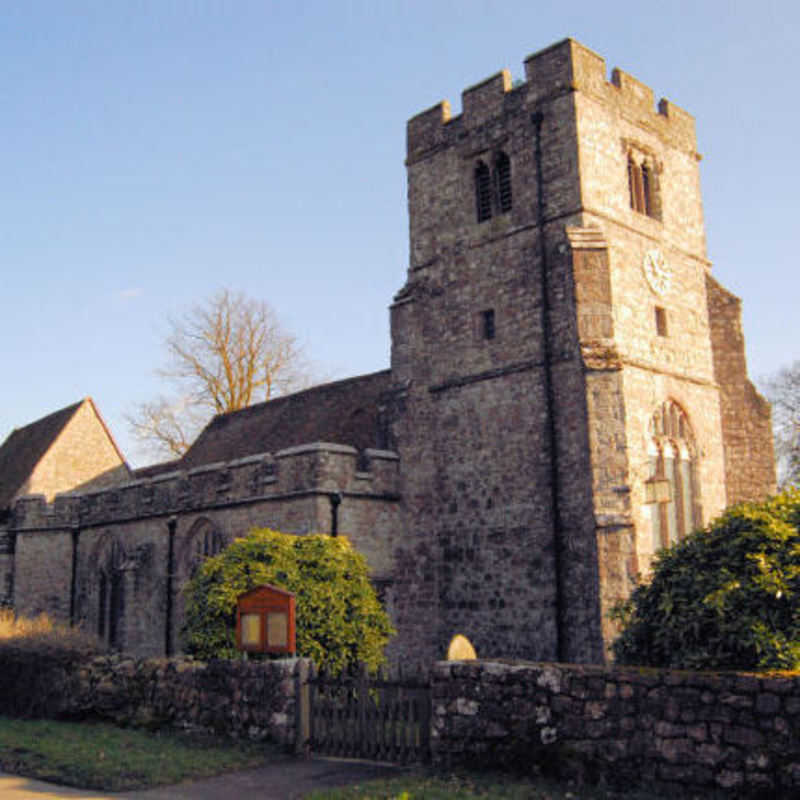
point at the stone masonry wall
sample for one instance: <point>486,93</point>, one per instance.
<point>7,546</point>
<point>483,464</point>
<point>606,421</point>
<point>82,457</point>
<point>255,700</point>
<point>746,422</point>
<point>682,730</point>
<point>123,533</point>
<point>618,119</point>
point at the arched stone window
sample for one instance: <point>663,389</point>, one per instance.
<point>671,488</point>
<point>108,561</point>
<point>493,187</point>
<point>202,541</point>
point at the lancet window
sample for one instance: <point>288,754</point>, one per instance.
<point>110,591</point>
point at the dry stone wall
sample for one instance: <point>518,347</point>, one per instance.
<point>254,700</point>
<point>695,731</point>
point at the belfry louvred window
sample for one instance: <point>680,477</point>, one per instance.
<point>493,187</point>
<point>502,167</point>
<point>646,195</point>
<point>483,192</point>
<point>641,186</point>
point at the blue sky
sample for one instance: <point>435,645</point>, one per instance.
<point>156,151</point>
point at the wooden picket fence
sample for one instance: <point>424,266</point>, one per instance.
<point>378,717</point>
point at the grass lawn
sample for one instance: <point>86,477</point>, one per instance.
<point>433,786</point>
<point>104,757</point>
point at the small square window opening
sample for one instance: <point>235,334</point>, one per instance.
<point>487,323</point>
<point>661,321</point>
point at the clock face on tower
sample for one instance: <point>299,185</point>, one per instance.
<point>657,271</point>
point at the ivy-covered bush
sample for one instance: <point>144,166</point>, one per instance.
<point>727,597</point>
<point>339,620</point>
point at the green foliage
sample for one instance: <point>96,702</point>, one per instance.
<point>727,597</point>
<point>339,620</point>
<point>32,651</point>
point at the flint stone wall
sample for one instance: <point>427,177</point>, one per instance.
<point>695,731</point>
<point>241,699</point>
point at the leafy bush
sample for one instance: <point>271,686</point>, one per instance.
<point>35,655</point>
<point>727,597</point>
<point>39,636</point>
<point>339,620</point>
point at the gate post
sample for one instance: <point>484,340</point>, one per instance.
<point>302,707</point>
<point>362,692</point>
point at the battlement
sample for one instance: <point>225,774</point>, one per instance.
<point>320,468</point>
<point>566,66</point>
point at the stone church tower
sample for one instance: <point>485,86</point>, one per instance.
<point>570,391</point>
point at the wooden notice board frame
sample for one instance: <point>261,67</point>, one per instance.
<point>265,620</point>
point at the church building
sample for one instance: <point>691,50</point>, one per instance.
<point>567,394</point>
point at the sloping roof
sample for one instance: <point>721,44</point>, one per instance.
<point>24,448</point>
<point>151,470</point>
<point>343,412</point>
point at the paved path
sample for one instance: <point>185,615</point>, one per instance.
<point>285,778</point>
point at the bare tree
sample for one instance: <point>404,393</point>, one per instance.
<point>783,390</point>
<point>224,354</point>
<point>166,427</point>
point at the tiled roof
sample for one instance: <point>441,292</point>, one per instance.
<point>24,448</point>
<point>343,412</point>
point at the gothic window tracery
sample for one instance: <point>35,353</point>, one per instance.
<point>110,560</point>
<point>203,541</point>
<point>672,484</point>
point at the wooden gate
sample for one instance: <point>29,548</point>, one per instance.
<point>376,717</point>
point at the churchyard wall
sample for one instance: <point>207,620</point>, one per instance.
<point>243,699</point>
<point>625,726</point>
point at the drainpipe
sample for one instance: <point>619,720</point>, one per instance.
<point>558,534</point>
<point>172,524</point>
<point>335,500</point>
<point>73,581</point>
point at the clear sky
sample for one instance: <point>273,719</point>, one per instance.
<point>153,152</point>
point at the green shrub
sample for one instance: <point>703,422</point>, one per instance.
<point>727,597</point>
<point>39,636</point>
<point>339,620</point>
<point>36,655</point>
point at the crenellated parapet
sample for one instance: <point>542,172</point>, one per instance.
<point>318,468</point>
<point>564,67</point>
